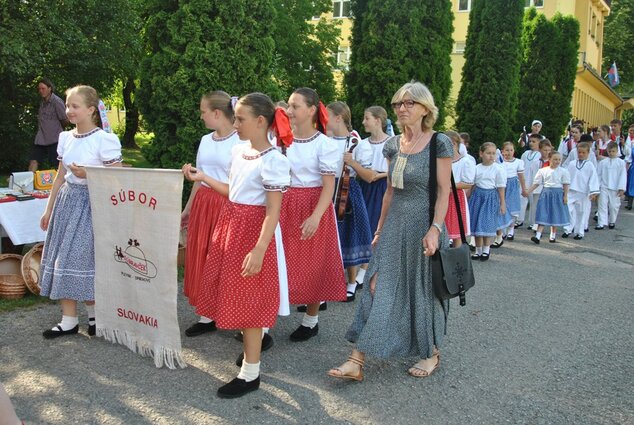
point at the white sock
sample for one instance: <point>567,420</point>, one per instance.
<point>472,241</point>
<point>204,319</point>
<point>310,321</point>
<point>360,275</point>
<point>498,239</point>
<point>67,323</point>
<point>249,372</point>
<point>510,231</point>
<point>90,309</point>
<point>478,250</point>
<point>538,235</point>
<point>553,235</point>
<point>486,249</point>
<point>264,332</point>
<point>351,287</point>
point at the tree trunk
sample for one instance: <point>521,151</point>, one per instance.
<point>131,115</point>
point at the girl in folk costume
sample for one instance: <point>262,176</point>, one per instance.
<point>68,261</point>
<point>528,157</point>
<point>355,236</point>
<point>201,213</point>
<point>552,208</point>
<point>487,202</point>
<point>464,175</point>
<point>515,186</point>
<point>374,122</point>
<point>578,136</point>
<point>309,227</point>
<point>601,145</point>
<point>243,277</point>
<point>545,148</point>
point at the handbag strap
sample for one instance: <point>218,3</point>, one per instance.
<point>433,178</point>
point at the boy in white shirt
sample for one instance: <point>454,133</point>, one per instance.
<point>612,178</point>
<point>584,188</point>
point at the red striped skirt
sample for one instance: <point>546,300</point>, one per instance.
<point>451,219</point>
<point>233,301</point>
<point>315,267</point>
<point>203,217</point>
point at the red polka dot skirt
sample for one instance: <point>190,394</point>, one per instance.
<point>451,219</point>
<point>315,267</point>
<point>233,301</point>
<point>203,217</point>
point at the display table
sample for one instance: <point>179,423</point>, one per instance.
<point>20,220</point>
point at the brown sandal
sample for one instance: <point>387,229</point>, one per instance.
<point>338,373</point>
<point>419,372</point>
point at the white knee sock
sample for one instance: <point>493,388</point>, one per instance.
<point>360,275</point>
<point>90,309</point>
<point>478,250</point>
<point>486,249</point>
<point>310,321</point>
<point>249,371</point>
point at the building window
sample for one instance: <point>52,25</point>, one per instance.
<point>593,25</point>
<point>464,5</point>
<point>534,3</point>
<point>343,58</point>
<point>341,9</point>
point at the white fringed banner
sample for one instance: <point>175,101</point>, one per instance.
<point>136,222</point>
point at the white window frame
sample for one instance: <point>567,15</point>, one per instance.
<point>531,3</point>
<point>338,14</point>
<point>343,57</point>
<point>468,9</point>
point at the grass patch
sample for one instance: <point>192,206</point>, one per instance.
<point>134,157</point>
<point>29,300</point>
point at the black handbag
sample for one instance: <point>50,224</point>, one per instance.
<point>451,269</point>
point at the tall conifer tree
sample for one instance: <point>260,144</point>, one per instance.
<point>488,95</point>
<point>196,46</point>
<point>393,42</point>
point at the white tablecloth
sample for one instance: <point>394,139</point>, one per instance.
<point>21,220</point>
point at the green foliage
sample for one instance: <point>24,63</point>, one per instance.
<point>305,53</point>
<point>195,46</point>
<point>394,42</point>
<point>488,96</point>
<point>547,72</point>
<point>618,41</point>
<point>43,39</point>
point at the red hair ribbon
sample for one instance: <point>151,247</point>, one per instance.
<point>322,117</point>
<point>282,127</point>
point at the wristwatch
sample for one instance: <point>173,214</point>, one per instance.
<point>437,226</point>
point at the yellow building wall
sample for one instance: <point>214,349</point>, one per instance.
<point>590,101</point>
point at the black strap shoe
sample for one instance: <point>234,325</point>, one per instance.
<point>322,307</point>
<point>200,328</point>
<point>304,333</point>
<point>238,387</point>
<point>50,333</point>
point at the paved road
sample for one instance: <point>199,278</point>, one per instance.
<point>546,338</point>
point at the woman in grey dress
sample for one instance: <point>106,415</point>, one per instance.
<point>400,316</point>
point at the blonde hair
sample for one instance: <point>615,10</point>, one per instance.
<point>378,112</point>
<point>419,94</point>
<point>342,110</point>
<point>220,100</point>
<point>484,146</point>
<point>505,144</point>
<point>90,97</point>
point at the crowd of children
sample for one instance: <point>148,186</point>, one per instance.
<point>264,232</point>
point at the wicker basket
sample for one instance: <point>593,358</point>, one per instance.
<point>10,264</point>
<point>30,268</point>
<point>12,286</point>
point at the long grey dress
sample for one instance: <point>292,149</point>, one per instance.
<point>404,318</point>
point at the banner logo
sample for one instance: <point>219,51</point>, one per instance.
<point>134,257</point>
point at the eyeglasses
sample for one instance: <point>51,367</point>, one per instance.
<point>409,104</point>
